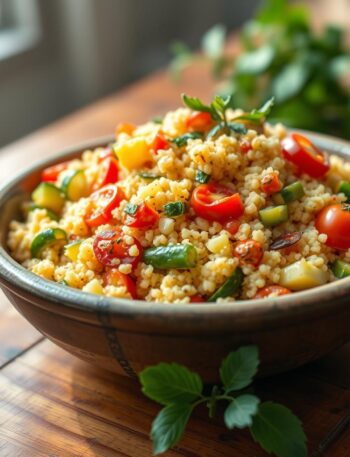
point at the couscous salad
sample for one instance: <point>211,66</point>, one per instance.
<point>206,204</point>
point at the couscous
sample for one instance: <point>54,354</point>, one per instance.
<point>207,204</point>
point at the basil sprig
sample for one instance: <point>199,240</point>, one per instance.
<point>181,390</point>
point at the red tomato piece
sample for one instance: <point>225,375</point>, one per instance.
<point>125,127</point>
<point>50,174</point>
<point>199,121</point>
<point>334,221</point>
<point>113,277</point>
<point>159,142</point>
<point>270,183</point>
<point>110,247</point>
<point>274,289</point>
<point>249,252</point>
<point>107,174</point>
<point>245,146</point>
<point>215,202</point>
<point>197,299</point>
<point>232,226</point>
<point>106,199</point>
<point>144,218</point>
<point>305,155</point>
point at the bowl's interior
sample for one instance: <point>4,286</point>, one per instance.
<point>18,189</point>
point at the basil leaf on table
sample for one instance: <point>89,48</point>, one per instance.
<point>277,430</point>
<point>240,412</point>
<point>238,368</point>
<point>169,425</point>
<point>168,383</point>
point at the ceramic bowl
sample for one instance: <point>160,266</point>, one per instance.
<point>125,336</point>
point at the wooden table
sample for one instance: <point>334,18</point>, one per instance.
<point>52,404</point>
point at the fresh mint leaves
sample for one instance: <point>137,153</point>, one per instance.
<point>181,390</point>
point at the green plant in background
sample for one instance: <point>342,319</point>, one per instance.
<point>308,74</point>
<point>180,390</point>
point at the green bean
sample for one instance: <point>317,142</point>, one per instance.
<point>180,256</point>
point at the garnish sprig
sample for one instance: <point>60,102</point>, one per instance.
<point>181,390</point>
<point>218,111</point>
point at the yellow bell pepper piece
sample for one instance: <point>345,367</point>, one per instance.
<point>302,275</point>
<point>133,154</point>
<point>72,250</point>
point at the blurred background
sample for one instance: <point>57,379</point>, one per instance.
<point>57,56</point>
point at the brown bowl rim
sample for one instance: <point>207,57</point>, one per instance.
<point>15,275</point>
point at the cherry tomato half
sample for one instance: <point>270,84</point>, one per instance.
<point>197,299</point>
<point>113,277</point>
<point>199,121</point>
<point>109,247</point>
<point>334,221</point>
<point>249,252</point>
<point>107,173</point>
<point>159,143</point>
<point>305,155</point>
<point>215,202</point>
<point>245,146</point>
<point>274,289</point>
<point>232,226</point>
<point>105,199</point>
<point>270,183</point>
<point>50,174</point>
<point>144,218</point>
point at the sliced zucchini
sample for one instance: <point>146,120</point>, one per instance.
<point>292,192</point>
<point>46,238</point>
<point>273,215</point>
<point>302,275</point>
<point>48,196</point>
<point>231,286</point>
<point>340,269</point>
<point>49,213</point>
<point>74,185</point>
<point>71,250</point>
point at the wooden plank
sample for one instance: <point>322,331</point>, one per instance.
<point>16,334</point>
<point>77,403</point>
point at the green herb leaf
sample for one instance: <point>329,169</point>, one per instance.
<point>183,139</point>
<point>255,62</point>
<point>258,115</point>
<point>169,425</point>
<point>239,367</point>
<point>213,41</point>
<point>174,209</point>
<point>195,104</point>
<point>214,131</point>
<point>148,176</point>
<point>240,411</point>
<point>157,120</point>
<point>169,383</point>
<point>202,177</point>
<point>236,127</point>
<point>291,80</point>
<point>130,208</point>
<point>278,431</point>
